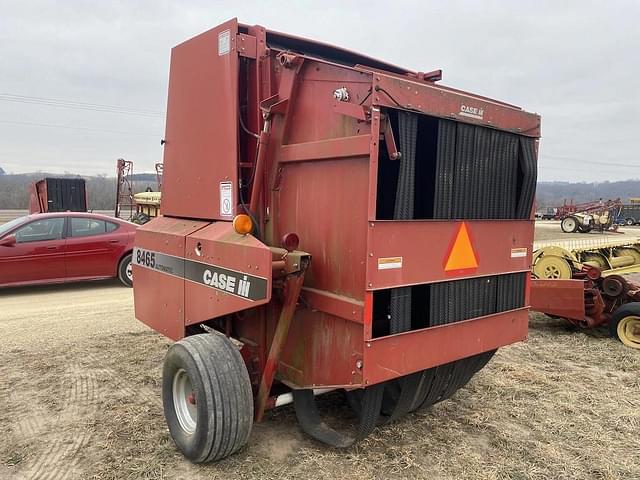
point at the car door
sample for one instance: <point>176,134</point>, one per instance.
<point>90,249</point>
<point>38,254</point>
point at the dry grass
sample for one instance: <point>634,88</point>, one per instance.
<point>86,404</point>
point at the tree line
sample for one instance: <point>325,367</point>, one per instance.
<point>101,190</point>
<point>14,190</point>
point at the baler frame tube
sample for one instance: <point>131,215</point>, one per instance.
<point>292,287</point>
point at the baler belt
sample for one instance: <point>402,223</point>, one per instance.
<point>400,307</point>
<point>310,421</point>
<point>428,386</point>
<point>400,302</point>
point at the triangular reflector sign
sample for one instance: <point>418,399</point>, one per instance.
<point>462,256</point>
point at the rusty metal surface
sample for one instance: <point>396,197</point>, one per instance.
<point>391,91</point>
<point>202,126</point>
<point>563,298</point>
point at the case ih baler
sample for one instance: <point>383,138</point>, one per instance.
<point>330,221</point>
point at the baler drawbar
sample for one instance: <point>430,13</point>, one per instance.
<point>329,222</point>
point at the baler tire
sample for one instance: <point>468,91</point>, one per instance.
<point>125,272</point>
<point>220,390</point>
<point>627,313</point>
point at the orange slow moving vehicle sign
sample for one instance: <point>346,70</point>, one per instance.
<point>462,256</point>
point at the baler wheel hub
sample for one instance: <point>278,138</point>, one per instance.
<point>184,401</point>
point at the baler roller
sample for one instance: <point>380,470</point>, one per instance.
<point>388,401</point>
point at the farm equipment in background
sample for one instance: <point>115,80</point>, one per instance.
<point>585,217</point>
<point>562,260</point>
<point>135,207</point>
<point>590,283</point>
<point>588,299</point>
<point>58,195</point>
<point>290,256</point>
<point>629,214</point>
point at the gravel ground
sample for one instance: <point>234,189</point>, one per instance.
<point>80,398</point>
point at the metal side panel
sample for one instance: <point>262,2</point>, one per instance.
<point>416,252</point>
<point>563,298</point>
<point>201,149</point>
<point>158,268</point>
<point>225,272</point>
<point>396,355</point>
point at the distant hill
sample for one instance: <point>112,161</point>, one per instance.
<point>14,188</point>
<point>550,194</point>
<point>102,190</point>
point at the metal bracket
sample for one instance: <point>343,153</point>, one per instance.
<point>353,110</point>
<point>389,140</point>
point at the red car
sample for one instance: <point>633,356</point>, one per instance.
<point>65,247</point>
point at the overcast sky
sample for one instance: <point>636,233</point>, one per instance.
<point>575,63</point>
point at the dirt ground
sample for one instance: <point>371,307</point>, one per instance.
<point>80,398</point>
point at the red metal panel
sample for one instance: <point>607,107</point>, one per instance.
<point>432,100</point>
<point>221,246</point>
<point>390,357</point>
<point>424,246</point>
<point>563,298</point>
<point>325,203</point>
<point>321,350</point>
<point>159,298</point>
<point>202,125</point>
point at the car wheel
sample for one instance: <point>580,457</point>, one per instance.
<point>629,221</point>
<point>125,271</point>
<point>207,398</point>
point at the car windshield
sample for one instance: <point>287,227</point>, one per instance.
<point>5,227</point>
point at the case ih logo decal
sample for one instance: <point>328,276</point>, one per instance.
<point>471,112</point>
<point>239,284</point>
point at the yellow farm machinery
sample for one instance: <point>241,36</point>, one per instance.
<point>590,283</point>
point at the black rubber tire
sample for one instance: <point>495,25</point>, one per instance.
<point>567,229</point>
<point>122,271</point>
<point>629,221</point>
<point>632,308</point>
<point>223,397</point>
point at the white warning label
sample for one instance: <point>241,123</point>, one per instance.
<point>387,263</point>
<point>224,42</point>
<point>226,199</point>
<point>518,252</point>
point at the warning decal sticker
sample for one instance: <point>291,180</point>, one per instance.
<point>224,42</point>
<point>462,256</point>
<point>226,199</point>
<point>387,263</point>
<point>518,252</point>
